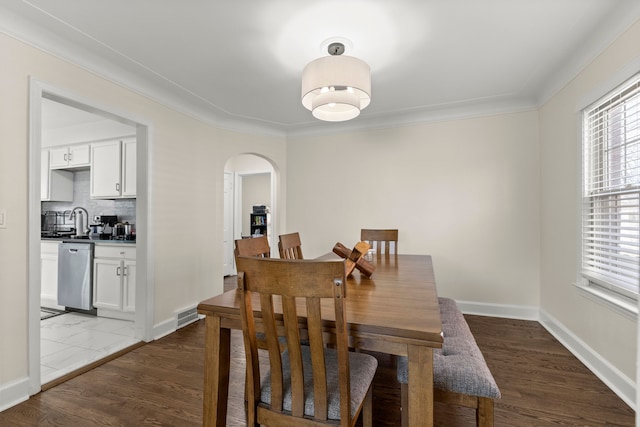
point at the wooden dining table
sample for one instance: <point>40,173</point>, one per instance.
<point>395,311</point>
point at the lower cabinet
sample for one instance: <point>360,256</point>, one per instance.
<point>129,287</point>
<point>114,281</point>
<point>49,275</point>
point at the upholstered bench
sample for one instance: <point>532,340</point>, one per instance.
<point>460,373</point>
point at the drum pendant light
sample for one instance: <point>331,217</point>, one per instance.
<point>336,88</point>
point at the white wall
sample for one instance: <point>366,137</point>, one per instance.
<point>187,159</point>
<point>610,335</point>
<point>464,191</point>
<point>248,163</point>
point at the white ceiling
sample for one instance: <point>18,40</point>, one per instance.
<point>238,63</point>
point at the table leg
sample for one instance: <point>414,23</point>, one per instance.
<point>420,404</point>
<point>217,353</point>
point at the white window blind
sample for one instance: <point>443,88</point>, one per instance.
<point>611,191</point>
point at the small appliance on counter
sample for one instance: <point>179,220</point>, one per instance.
<point>124,231</point>
<point>96,231</point>
<point>56,224</point>
<point>109,220</point>
<point>103,227</point>
<point>108,227</point>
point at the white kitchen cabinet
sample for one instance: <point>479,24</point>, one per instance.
<point>49,275</point>
<point>113,169</point>
<point>73,156</point>
<point>114,281</point>
<point>106,169</point>
<point>55,185</point>
<point>107,286</point>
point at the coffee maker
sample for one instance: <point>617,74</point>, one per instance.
<point>103,229</point>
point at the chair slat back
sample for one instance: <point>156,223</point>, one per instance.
<point>255,246</point>
<point>297,289</point>
<point>290,246</point>
<point>384,241</point>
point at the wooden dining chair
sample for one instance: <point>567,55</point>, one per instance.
<point>289,246</point>
<point>255,246</point>
<point>305,385</point>
<point>382,240</point>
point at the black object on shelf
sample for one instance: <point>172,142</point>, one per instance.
<point>260,209</point>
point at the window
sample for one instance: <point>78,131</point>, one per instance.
<point>611,192</point>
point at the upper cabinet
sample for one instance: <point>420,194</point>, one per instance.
<point>55,185</point>
<point>73,156</point>
<point>113,169</point>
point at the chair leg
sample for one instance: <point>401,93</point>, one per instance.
<point>246,390</point>
<point>367,410</point>
<point>404,404</point>
<point>484,412</point>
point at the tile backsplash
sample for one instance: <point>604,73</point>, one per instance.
<point>125,209</point>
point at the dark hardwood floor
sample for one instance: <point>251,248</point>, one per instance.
<point>160,384</point>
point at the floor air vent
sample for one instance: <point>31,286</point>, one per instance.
<point>186,317</point>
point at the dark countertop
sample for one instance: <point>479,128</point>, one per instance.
<point>96,241</point>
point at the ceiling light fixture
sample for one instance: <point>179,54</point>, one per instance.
<point>336,88</point>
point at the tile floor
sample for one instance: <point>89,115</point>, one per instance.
<point>73,340</point>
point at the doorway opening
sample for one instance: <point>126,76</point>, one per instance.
<point>250,206</point>
<point>43,97</point>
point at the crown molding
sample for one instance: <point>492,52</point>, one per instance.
<point>144,83</point>
<point>432,114</point>
<point>611,28</point>
<point>101,61</point>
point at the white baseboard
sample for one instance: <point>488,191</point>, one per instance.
<point>163,329</point>
<point>169,326</point>
<point>13,393</point>
<point>522,312</point>
<point>50,303</point>
<point>116,314</point>
<point>621,385</point>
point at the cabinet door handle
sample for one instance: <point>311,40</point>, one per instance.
<point>70,155</point>
<point>117,186</point>
<point>118,271</point>
<point>65,158</point>
<point>124,271</point>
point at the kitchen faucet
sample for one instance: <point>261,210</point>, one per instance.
<point>80,224</point>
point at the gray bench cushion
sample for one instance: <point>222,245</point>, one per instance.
<point>458,366</point>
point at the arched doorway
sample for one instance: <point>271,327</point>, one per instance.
<point>249,181</point>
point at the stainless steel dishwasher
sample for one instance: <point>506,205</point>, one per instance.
<point>75,271</point>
